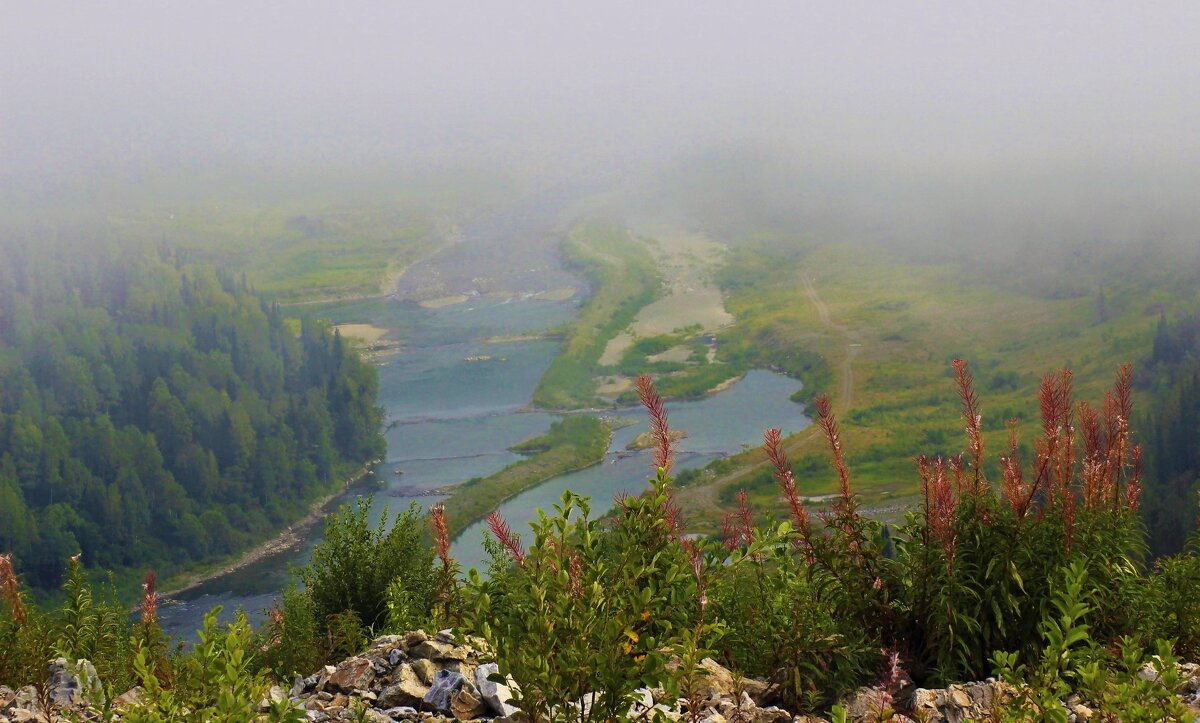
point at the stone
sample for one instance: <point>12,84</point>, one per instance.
<point>1082,712</point>
<point>395,657</point>
<point>960,699</point>
<point>24,715</point>
<point>274,695</point>
<point>27,698</point>
<point>425,670</point>
<point>64,689</point>
<point>464,706</point>
<point>352,674</point>
<point>133,696</point>
<point>445,685</point>
<point>446,636</point>
<point>406,689</point>
<point>866,703</point>
<point>297,687</point>
<point>415,638</point>
<point>402,711</point>
<point>723,683</point>
<point>7,695</point>
<point>495,695</point>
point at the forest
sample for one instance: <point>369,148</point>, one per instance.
<point>155,413</point>
<point>1171,432</point>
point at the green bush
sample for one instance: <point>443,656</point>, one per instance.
<point>589,609</point>
<point>353,566</point>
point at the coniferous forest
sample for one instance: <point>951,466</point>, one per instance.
<point>156,413</point>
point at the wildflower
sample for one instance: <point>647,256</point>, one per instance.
<point>441,533</point>
<point>504,534</point>
<point>10,589</point>
<point>149,607</point>
<point>664,451</point>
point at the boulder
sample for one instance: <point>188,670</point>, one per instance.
<point>133,696</point>
<point>466,706</point>
<point>495,695</point>
<point>446,685</point>
<point>352,674</point>
<point>405,689</point>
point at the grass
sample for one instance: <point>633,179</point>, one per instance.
<point>572,443</point>
<point>623,280</point>
<point>893,329</point>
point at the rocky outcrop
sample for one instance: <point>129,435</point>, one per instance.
<point>445,679</point>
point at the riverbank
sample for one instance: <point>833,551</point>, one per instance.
<point>288,538</point>
<point>573,443</point>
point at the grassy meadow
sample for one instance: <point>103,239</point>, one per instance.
<point>887,330</point>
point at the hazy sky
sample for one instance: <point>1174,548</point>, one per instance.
<point>89,87</point>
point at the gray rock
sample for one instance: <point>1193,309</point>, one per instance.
<point>405,690</point>
<point>395,657</point>
<point>27,698</point>
<point>445,685</point>
<point>66,689</point>
<point>495,695</point>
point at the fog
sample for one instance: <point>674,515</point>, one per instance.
<point>902,120</point>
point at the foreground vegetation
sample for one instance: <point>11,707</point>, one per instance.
<point>1036,574</point>
<point>158,414</point>
<point>574,442</point>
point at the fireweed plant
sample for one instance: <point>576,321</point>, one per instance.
<point>1033,569</point>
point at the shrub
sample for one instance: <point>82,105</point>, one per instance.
<point>353,566</point>
<point>591,609</point>
<point>977,567</point>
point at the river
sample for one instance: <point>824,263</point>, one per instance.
<point>450,419</point>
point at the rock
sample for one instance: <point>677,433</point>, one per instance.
<point>405,690</point>
<point>425,670</point>
<point>395,656</point>
<point>723,683</point>
<point>415,638</point>
<point>274,695</point>
<point>352,674</point>
<point>866,703</point>
<point>464,706</point>
<point>495,695</point>
<point>445,685</point>
<point>24,715</point>
<point>1082,712</point>
<point>133,696</point>
<point>64,689</point>
<point>402,712</point>
<point>446,636</point>
<point>297,688</point>
<point>960,699</point>
<point>27,698</point>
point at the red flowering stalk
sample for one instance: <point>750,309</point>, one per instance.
<point>664,451</point>
<point>973,419</point>
<point>786,477</point>
<point>696,557</point>
<point>1133,490</point>
<point>441,533</point>
<point>575,574</point>
<point>729,532</point>
<point>10,589</point>
<point>828,423</point>
<point>941,503</point>
<point>149,606</point>
<point>1054,401</point>
<point>674,516</point>
<point>1012,473</point>
<point>510,541</point>
<point>745,519</point>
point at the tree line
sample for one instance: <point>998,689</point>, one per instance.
<point>155,413</point>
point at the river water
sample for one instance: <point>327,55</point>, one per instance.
<point>450,419</point>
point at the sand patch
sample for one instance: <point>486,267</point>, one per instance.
<point>441,301</point>
<point>613,386</point>
<point>688,261</point>
<point>691,306</point>
<point>616,349</point>
<point>562,293</point>
<point>676,354</point>
<point>364,332</point>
